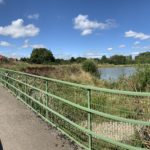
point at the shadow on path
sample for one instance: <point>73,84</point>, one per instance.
<point>1,146</point>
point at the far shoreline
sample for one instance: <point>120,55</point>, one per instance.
<point>125,65</point>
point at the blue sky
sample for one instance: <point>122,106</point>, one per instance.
<point>89,28</point>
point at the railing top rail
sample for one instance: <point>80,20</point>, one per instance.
<point>88,87</point>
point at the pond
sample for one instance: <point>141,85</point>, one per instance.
<point>113,73</point>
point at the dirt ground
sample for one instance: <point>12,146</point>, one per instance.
<point>21,129</point>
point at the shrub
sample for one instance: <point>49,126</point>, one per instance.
<point>143,78</point>
<point>41,55</point>
<point>91,67</point>
<point>140,81</point>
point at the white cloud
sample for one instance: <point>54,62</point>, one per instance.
<point>122,46</point>
<point>17,29</point>
<point>110,49</point>
<point>4,43</point>
<point>1,1</point>
<point>136,42</point>
<point>86,26</point>
<point>33,16</point>
<point>86,32</point>
<point>37,46</point>
<point>137,35</point>
<point>28,45</point>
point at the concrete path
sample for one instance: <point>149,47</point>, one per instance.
<point>21,129</point>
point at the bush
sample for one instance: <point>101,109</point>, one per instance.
<point>143,78</point>
<point>91,67</point>
<point>140,81</point>
<point>41,55</point>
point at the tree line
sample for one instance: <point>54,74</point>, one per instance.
<point>45,56</point>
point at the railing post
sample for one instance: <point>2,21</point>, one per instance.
<point>46,103</point>
<point>5,79</point>
<point>13,81</point>
<point>89,118</point>
<point>1,77</point>
<point>26,88</point>
<point>16,84</point>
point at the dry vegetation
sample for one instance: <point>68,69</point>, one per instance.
<point>73,73</point>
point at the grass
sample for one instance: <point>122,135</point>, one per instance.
<point>73,73</point>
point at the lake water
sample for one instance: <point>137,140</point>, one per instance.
<point>113,73</point>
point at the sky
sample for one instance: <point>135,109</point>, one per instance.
<point>75,28</point>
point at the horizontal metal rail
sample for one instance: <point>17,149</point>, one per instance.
<point>6,78</point>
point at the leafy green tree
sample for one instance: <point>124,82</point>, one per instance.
<point>72,59</point>
<point>143,58</point>
<point>80,59</point>
<point>41,55</point>
<point>24,59</point>
<point>129,59</point>
<point>118,59</point>
<point>96,60</point>
<point>104,59</point>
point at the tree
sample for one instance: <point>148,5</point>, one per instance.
<point>41,55</point>
<point>104,59</point>
<point>129,59</point>
<point>143,58</point>
<point>72,60</point>
<point>118,59</point>
<point>24,59</point>
<point>80,59</point>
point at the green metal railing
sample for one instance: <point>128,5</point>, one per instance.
<point>95,118</point>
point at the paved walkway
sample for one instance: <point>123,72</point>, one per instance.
<point>21,129</point>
